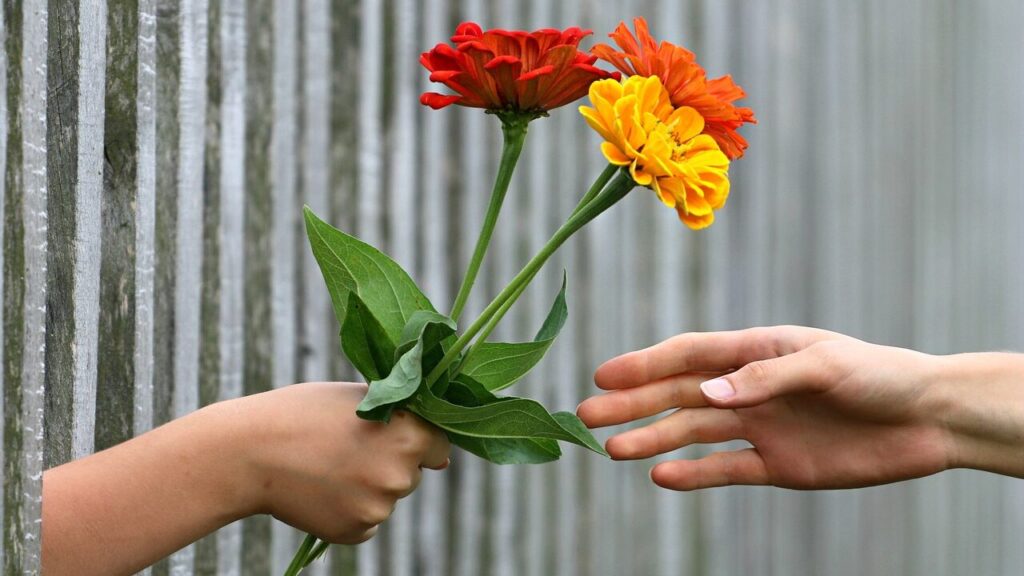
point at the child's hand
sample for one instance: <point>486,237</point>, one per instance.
<point>299,453</point>
<point>318,467</point>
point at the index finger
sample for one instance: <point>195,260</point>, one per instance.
<point>705,352</point>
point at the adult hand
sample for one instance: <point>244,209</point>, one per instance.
<point>821,410</point>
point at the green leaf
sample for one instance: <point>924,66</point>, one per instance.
<point>465,391</point>
<point>424,331</point>
<point>502,418</point>
<point>509,450</point>
<point>400,384</point>
<point>573,425</point>
<point>426,326</point>
<point>556,316</point>
<point>498,365</point>
<point>350,265</point>
<point>365,342</point>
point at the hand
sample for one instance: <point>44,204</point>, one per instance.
<point>299,453</point>
<point>323,470</point>
<point>821,410</point>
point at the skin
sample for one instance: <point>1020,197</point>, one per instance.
<point>298,453</point>
<point>821,410</point>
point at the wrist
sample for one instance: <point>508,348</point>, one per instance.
<point>980,405</point>
<point>229,459</point>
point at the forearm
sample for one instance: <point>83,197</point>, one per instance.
<point>981,400</point>
<point>119,510</point>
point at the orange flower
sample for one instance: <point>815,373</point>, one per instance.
<point>685,81</point>
<point>511,70</point>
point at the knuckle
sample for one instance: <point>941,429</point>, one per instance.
<point>831,360</point>
<point>399,485</point>
<point>758,372</point>
<point>362,536</point>
<point>375,512</point>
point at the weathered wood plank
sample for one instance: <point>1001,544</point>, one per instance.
<point>283,144</point>
<point>188,235</point>
<point>167,157</point>
<point>34,183</point>
<point>75,171</point>
<point>89,188</point>
<point>145,216</point>
<point>4,117</point>
<point>258,327</point>
<point>231,182</point>
<point>210,355</point>
<point>25,246</point>
<point>115,380</point>
<point>25,254</point>
<point>62,159</point>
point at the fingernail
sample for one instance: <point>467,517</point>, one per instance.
<point>719,389</point>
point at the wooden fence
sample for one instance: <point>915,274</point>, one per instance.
<point>156,154</point>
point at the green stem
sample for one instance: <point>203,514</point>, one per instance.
<point>317,551</point>
<point>608,197</point>
<point>299,560</point>
<point>595,188</point>
<point>598,185</point>
<point>486,331</point>
<point>513,129</point>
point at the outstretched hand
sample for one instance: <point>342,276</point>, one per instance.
<point>821,410</point>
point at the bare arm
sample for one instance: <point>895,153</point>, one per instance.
<point>298,453</point>
<point>820,409</point>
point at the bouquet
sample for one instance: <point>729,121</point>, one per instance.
<point>665,126</point>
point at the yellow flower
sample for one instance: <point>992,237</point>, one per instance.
<point>662,145</point>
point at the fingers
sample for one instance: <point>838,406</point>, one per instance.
<point>682,428</point>
<point>760,381</point>
<point>436,456</point>
<point>428,444</point>
<point>705,352</point>
<point>741,467</point>
<point>619,406</point>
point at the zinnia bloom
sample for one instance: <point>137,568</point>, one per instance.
<point>511,70</point>
<point>685,80</point>
<point>662,145</point>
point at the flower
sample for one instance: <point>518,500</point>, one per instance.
<point>685,81</point>
<point>511,70</point>
<point>662,145</point>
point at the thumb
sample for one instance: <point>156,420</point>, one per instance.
<point>763,380</point>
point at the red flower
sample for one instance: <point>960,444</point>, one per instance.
<point>511,70</point>
<point>685,81</point>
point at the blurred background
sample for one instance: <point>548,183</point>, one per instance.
<point>882,196</point>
